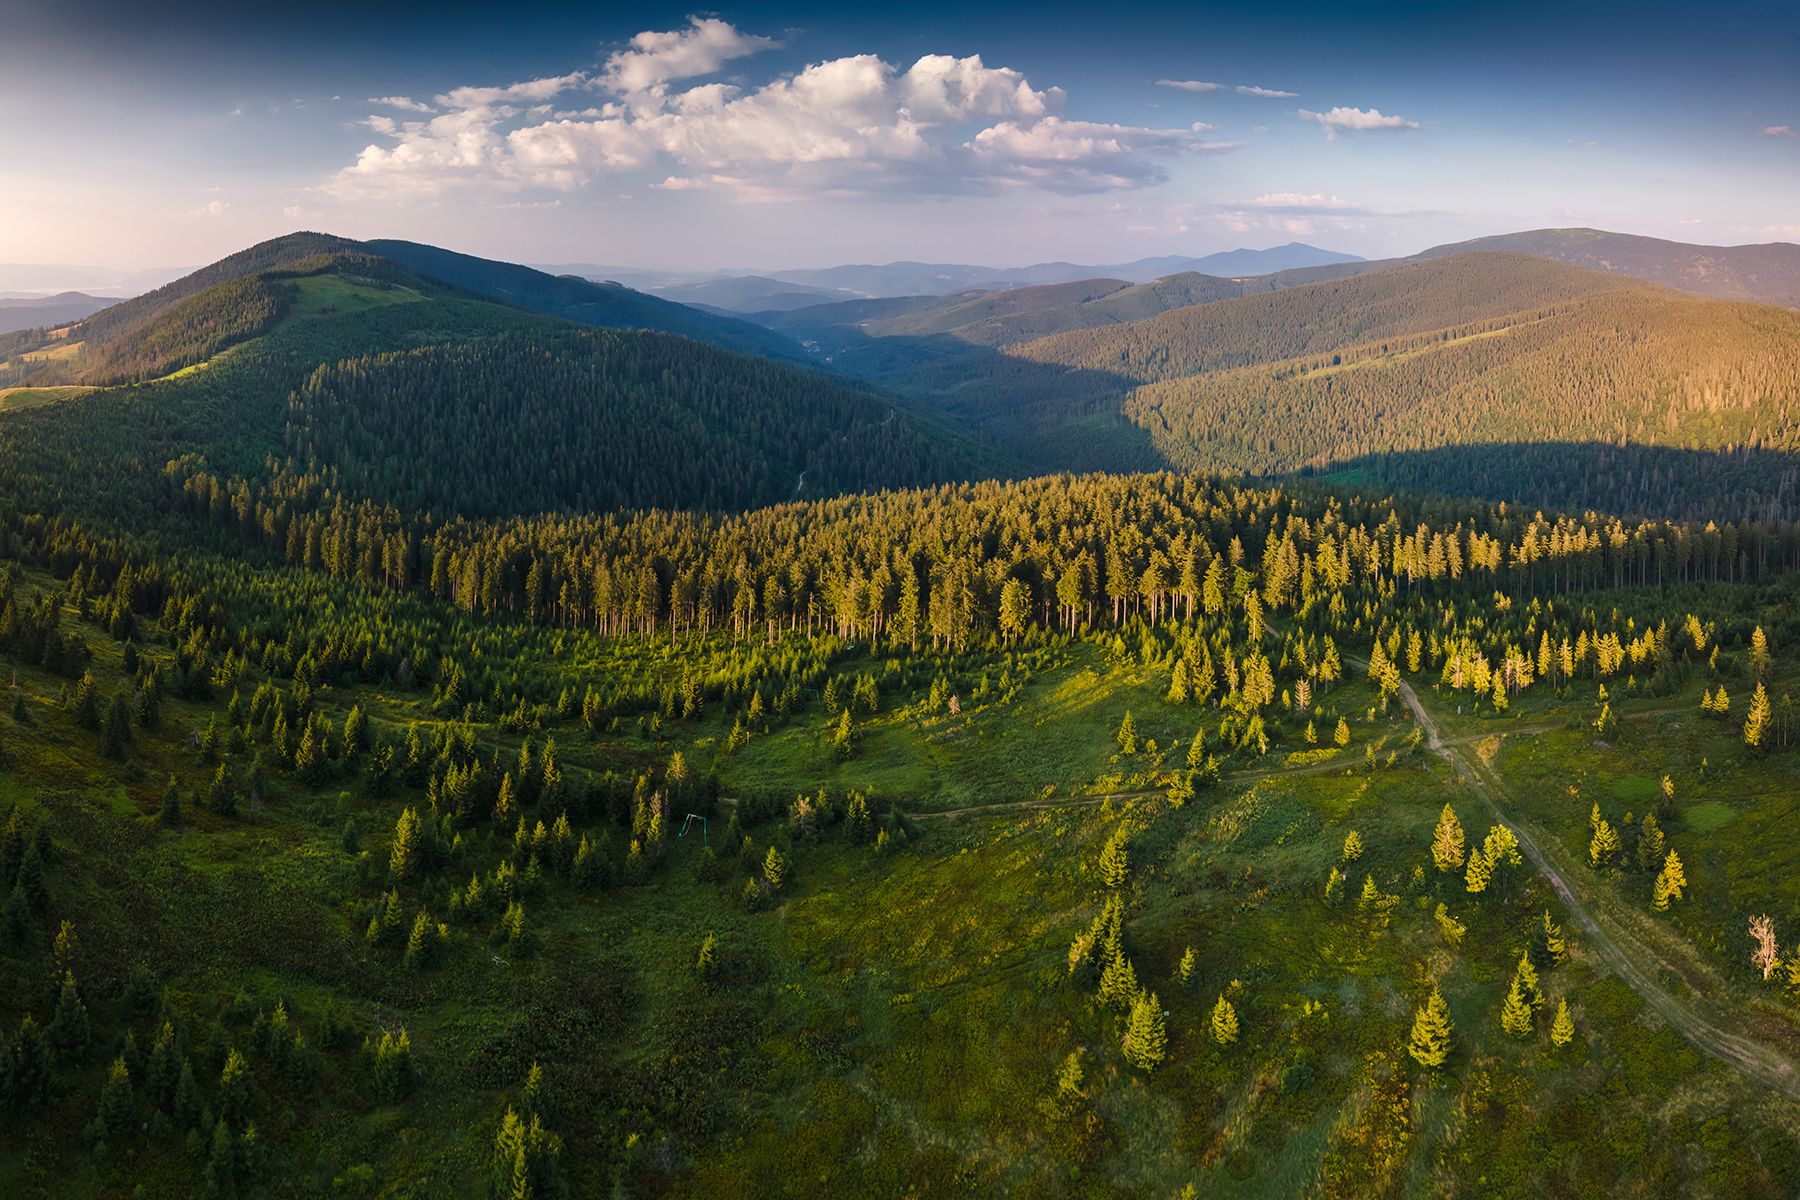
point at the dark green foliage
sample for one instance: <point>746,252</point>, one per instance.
<point>637,420</point>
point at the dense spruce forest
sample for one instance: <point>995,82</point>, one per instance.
<point>451,749</point>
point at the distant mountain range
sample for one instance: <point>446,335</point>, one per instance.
<point>42,312</point>
<point>786,290</point>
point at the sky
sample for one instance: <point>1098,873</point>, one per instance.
<point>795,135</point>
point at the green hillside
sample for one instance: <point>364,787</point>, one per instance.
<point>1639,367</point>
<point>389,385</point>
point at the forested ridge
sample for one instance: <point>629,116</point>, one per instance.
<point>1651,369</point>
<point>579,420</point>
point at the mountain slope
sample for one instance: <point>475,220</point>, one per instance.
<point>1769,273</point>
<point>477,407</point>
<point>1317,317</point>
<point>1632,366</point>
<point>575,299</point>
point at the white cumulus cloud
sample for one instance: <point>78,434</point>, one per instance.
<point>657,58</point>
<point>1356,120</point>
<point>856,125</point>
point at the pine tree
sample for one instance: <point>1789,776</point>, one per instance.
<point>706,962</point>
<point>1480,872</point>
<point>1127,735</point>
<point>404,857</point>
<point>1759,653</point>
<point>1562,1029</point>
<point>393,1067</point>
<point>421,943</point>
<point>1605,844</point>
<point>1756,721</point>
<point>1432,1028</point>
<point>1115,861</point>
<point>774,868</point>
<point>1146,1039</point>
<point>168,814</point>
<point>116,737</point>
<point>1341,735</point>
<point>1447,842</point>
<point>1224,1022</point>
<point>117,1115</point>
<point>1671,882</point>
<point>1353,846</point>
<point>1515,1011</point>
<point>843,737</point>
<point>1371,895</point>
<point>235,1089</point>
<point>1196,751</point>
<point>223,1165</point>
<point>1334,887</point>
<point>1650,843</point>
<point>1184,971</point>
<point>29,1071</point>
<point>69,1029</point>
<point>1119,987</point>
<point>1555,948</point>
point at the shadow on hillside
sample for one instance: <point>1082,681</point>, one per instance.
<point>1633,480</point>
<point>1045,416</point>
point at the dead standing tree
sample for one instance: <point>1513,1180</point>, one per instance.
<point>1762,928</point>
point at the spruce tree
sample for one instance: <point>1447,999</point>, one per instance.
<point>1650,843</point>
<point>69,1029</point>
<point>1224,1022</point>
<point>1515,1011</point>
<point>168,814</point>
<point>1119,987</point>
<point>1429,1044</point>
<point>1447,842</point>
<point>1480,872</point>
<point>1556,949</point>
<point>1562,1029</point>
<point>116,737</point>
<point>1671,882</point>
<point>1605,844</point>
<point>1146,1039</point>
<point>1353,846</point>
<point>1115,861</point>
<point>774,868</point>
<point>117,1115</point>
<point>1127,735</point>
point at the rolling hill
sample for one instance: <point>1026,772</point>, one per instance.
<point>261,365</point>
<point>192,318</point>
<point>1768,273</point>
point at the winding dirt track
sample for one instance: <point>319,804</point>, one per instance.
<point>1755,1061</point>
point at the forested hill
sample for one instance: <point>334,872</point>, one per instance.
<point>1321,317</point>
<point>580,300</point>
<point>244,295</point>
<point>561,419</point>
<point>1767,273</point>
<point>386,386</point>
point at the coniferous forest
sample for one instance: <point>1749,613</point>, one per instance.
<point>469,732</point>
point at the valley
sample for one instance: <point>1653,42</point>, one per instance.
<point>1265,722</point>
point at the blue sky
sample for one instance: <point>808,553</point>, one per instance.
<point>803,135</point>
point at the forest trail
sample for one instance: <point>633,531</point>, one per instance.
<point>1753,1060</point>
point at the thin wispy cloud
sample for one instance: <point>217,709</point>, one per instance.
<point>1356,120</point>
<point>1244,89</point>
<point>1782,131</point>
<point>401,102</point>
<point>1189,85</point>
<point>850,126</point>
